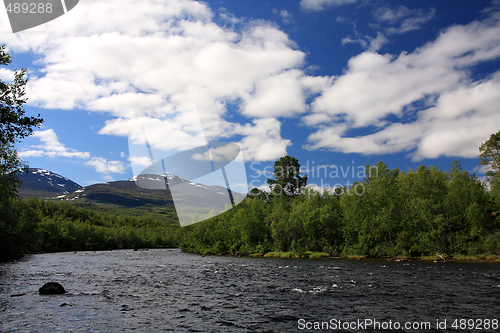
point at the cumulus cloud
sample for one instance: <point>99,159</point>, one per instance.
<point>142,64</point>
<point>6,75</point>
<point>102,165</point>
<point>179,132</point>
<point>456,112</point>
<point>222,153</point>
<point>279,95</point>
<point>461,120</point>
<point>51,147</point>
<point>318,5</point>
<point>143,161</point>
<point>161,56</point>
<point>262,141</point>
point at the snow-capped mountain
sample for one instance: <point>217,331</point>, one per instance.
<point>150,181</point>
<point>210,193</point>
<point>44,184</point>
<point>143,195</point>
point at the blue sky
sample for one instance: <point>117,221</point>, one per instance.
<point>334,83</point>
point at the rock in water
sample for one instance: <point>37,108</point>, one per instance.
<point>52,288</point>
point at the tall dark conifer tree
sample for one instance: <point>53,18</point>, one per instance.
<point>287,180</point>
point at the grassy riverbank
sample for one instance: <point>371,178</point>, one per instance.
<point>489,258</point>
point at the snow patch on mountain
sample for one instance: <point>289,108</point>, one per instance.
<point>42,183</point>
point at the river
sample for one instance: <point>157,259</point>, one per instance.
<point>165,290</point>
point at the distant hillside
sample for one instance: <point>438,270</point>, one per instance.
<point>127,198</point>
<point>123,198</point>
<point>151,199</point>
<point>43,184</point>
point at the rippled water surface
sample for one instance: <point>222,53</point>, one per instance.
<point>167,290</point>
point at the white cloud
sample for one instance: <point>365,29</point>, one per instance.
<point>377,85</point>
<point>377,43</point>
<point>174,133</point>
<point>405,19</point>
<point>51,147</point>
<point>461,120</point>
<point>349,40</point>
<point>391,15</point>
<point>456,113</point>
<point>285,15</point>
<point>389,21</point>
<point>318,5</point>
<point>6,75</point>
<point>139,60</point>
<point>262,141</point>
<point>482,169</point>
<point>141,160</point>
<point>102,165</point>
<point>280,95</point>
<point>142,59</point>
<point>226,152</point>
<point>369,43</point>
<point>31,153</point>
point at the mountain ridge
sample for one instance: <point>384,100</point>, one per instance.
<point>143,195</point>
<point>43,184</point>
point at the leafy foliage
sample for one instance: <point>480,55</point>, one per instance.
<point>287,177</point>
<point>10,165</point>
<point>418,213</point>
<point>490,152</point>
<point>490,157</point>
<point>16,224</point>
<point>48,226</point>
<point>14,125</point>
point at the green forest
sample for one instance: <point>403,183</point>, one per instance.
<point>401,214</point>
<point>417,213</point>
<point>33,225</point>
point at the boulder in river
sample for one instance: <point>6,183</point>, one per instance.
<point>52,288</point>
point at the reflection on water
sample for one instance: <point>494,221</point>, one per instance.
<point>167,290</point>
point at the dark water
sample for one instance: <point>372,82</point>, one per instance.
<point>170,291</point>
